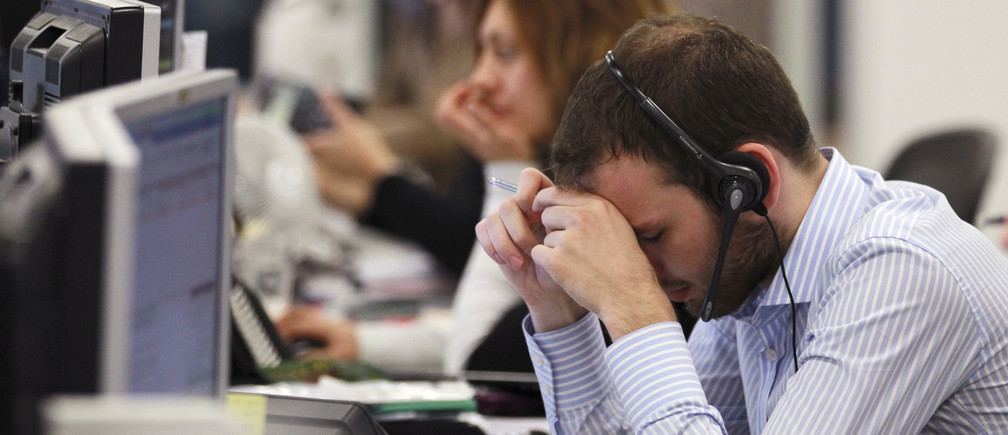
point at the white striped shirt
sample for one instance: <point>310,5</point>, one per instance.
<point>902,328</point>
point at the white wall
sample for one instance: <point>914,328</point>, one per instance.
<point>796,41</point>
<point>326,43</point>
<point>913,67</point>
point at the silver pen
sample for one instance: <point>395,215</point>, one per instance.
<point>503,184</point>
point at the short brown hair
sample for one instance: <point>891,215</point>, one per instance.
<point>719,85</point>
<point>566,36</point>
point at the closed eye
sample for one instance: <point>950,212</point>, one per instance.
<point>652,239</point>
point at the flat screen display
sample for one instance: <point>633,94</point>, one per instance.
<point>177,269</point>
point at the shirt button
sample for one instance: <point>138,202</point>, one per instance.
<point>537,360</point>
<point>770,354</point>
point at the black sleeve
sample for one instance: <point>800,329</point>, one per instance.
<point>440,223</point>
<point>504,348</point>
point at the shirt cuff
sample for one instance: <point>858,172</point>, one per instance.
<point>654,375</point>
<point>570,361</point>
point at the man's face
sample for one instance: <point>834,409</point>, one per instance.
<point>680,235</point>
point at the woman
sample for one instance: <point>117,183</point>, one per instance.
<point>531,54</point>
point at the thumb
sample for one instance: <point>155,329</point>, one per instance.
<point>337,109</point>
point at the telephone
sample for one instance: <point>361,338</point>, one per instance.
<point>295,103</point>
<point>260,356</point>
<point>255,343</point>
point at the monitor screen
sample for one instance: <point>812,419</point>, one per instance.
<point>115,246</point>
<point>177,270</point>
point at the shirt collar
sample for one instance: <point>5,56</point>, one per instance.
<point>835,208</point>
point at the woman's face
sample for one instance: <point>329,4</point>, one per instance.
<point>507,78</point>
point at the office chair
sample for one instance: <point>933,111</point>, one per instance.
<point>956,162</point>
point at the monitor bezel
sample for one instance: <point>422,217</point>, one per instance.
<point>71,139</point>
<point>67,215</point>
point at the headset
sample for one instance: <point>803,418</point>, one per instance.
<point>738,180</point>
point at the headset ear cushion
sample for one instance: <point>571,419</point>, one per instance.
<point>748,160</point>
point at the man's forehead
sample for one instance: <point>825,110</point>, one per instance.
<point>621,173</point>
<point>628,182</point>
<point>635,186</point>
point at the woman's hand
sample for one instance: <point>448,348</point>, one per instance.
<point>350,158</point>
<point>462,112</point>
<point>336,339</point>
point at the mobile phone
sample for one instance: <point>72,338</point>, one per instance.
<point>295,103</point>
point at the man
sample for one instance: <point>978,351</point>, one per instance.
<point>900,307</point>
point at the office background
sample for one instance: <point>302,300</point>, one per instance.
<point>872,75</point>
<point>917,66</point>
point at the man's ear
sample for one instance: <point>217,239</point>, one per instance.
<point>770,160</point>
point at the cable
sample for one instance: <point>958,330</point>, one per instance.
<point>794,327</point>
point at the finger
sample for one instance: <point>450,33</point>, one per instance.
<point>530,183</point>
<point>454,96</point>
<point>473,134</point>
<point>518,225</point>
<point>481,114</point>
<point>504,247</point>
<point>317,142</point>
<point>483,238</point>
<point>302,322</point>
<point>543,256</point>
<point>294,314</point>
<point>553,239</point>
<point>338,109</point>
<point>502,140</point>
<point>561,217</point>
<point>301,330</point>
<point>553,197</point>
<point>450,103</point>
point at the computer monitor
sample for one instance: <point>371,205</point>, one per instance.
<point>114,246</point>
<point>182,259</point>
<point>172,27</point>
<point>13,16</point>
<point>70,47</point>
<point>229,25</point>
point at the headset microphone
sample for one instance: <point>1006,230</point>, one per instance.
<point>734,190</point>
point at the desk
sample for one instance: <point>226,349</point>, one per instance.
<point>301,399</point>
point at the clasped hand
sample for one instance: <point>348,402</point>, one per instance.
<point>570,252</point>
